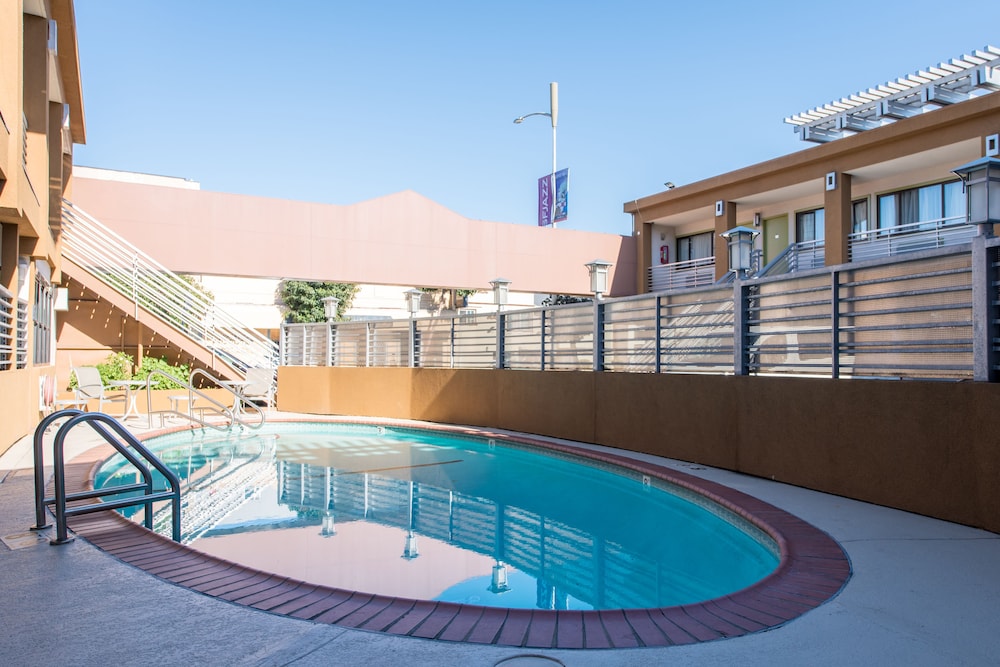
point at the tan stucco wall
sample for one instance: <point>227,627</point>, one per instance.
<point>18,404</point>
<point>924,447</point>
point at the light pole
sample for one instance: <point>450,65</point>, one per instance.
<point>553,115</point>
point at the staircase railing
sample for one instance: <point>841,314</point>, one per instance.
<point>153,287</point>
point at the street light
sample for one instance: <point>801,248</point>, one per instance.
<point>598,276</point>
<point>330,305</point>
<point>553,115</point>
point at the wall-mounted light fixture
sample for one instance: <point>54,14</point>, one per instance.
<point>756,219</point>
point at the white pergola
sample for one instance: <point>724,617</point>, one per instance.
<point>958,80</point>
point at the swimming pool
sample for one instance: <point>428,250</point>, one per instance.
<point>812,569</point>
<point>454,518</point>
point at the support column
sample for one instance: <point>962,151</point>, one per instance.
<point>984,313</point>
<point>644,241</point>
<point>8,257</point>
<point>837,206</point>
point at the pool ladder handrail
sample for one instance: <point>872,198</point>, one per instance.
<point>140,457</point>
<point>233,416</point>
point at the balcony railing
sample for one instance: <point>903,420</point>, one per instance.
<point>679,275</point>
<point>926,235</point>
<point>8,329</point>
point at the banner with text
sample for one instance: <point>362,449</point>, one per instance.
<point>547,199</point>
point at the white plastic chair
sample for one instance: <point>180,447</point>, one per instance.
<point>89,385</point>
<point>259,386</point>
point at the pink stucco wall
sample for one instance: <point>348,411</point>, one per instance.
<point>400,239</point>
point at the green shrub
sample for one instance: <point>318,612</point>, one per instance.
<point>150,364</point>
<point>118,366</point>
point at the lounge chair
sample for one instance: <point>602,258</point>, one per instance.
<point>89,386</point>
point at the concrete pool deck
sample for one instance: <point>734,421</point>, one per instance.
<point>923,592</point>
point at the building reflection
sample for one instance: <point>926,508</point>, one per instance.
<point>564,560</point>
<point>573,555</point>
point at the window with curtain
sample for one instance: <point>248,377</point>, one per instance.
<point>809,225</point>
<point>859,216</point>
<point>697,246</point>
<point>924,208</point>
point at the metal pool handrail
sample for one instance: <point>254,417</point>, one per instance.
<point>124,444</point>
<point>233,416</point>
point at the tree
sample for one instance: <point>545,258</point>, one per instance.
<point>303,300</point>
<point>561,299</point>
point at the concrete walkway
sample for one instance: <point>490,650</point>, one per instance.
<point>924,592</point>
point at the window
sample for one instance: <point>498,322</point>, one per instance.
<point>697,246</point>
<point>859,216</point>
<point>809,225</point>
<point>923,208</point>
<point>41,318</point>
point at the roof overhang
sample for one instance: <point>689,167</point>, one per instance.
<point>957,80</point>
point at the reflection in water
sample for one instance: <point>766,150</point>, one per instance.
<point>471,522</point>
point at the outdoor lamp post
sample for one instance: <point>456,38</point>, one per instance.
<point>498,582</point>
<point>598,276</point>
<point>501,288</point>
<point>413,301</point>
<point>740,241</point>
<point>330,305</point>
<point>413,305</point>
<point>981,182</point>
<point>553,115</point>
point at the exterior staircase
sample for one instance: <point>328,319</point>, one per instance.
<point>169,305</point>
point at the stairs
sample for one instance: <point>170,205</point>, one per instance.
<point>169,305</point>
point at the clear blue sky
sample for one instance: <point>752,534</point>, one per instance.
<point>340,102</point>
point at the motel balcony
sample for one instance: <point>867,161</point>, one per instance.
<point>678,275</point>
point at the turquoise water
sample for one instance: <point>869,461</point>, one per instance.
<point>421,514</point>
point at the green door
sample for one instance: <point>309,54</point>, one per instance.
<point>775,237</point>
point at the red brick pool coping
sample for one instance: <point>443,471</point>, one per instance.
<point>813,568</point>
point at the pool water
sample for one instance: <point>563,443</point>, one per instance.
<point>432,515</point>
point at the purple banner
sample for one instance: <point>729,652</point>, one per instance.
<point>545,200</point>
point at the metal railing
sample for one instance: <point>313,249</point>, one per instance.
<point>926,235</point>
<point>129,447</point>
<point>8,329</point>
<point>796,257</point>
<point>230,416</point>
<point>678,275</point>
<point>21,345</point>
<point>150,285</point>
<point>909,316</point>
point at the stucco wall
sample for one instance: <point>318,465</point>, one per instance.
<point>925,447</point>
<point>400,239</point>
<point>19,409</point>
